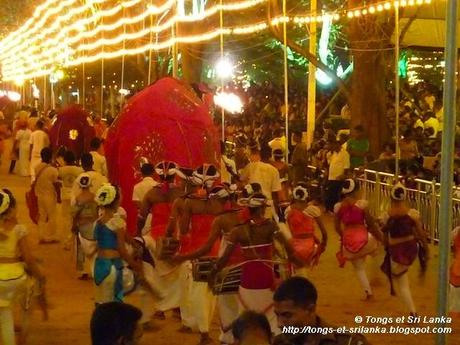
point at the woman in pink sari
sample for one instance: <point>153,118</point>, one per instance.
<point>358,232</point>
<point>302,216</point>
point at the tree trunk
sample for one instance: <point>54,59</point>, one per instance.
<point>368,81</point>
<point>192,63</point>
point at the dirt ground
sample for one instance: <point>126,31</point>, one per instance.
<point>71,301</point>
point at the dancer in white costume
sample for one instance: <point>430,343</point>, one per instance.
<point>14,256</point>
<point>158,204</point>
<point>85,214</point>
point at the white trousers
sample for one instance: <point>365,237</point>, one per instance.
<point>260,301</point>
<point>9,289</point>
<point>228,308</point>
<point>47,217</point>
<point>197,302</point>
<point>105,290</point>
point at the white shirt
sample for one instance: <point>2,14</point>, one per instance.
<point>264,174</point>
<point>338,163</point>
<point>141,188</point>
<point>99,163</point>
<point>39,140</point>
<point>68,174</point>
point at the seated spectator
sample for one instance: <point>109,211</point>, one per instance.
<point>116,323</point>
<point>408,146</point>
<point>431,124</point>
<point>295,305</point>
<point>388,152</point>
<point>358,147</point>
<point>251,328</point>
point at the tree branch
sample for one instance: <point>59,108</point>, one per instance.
<point>304,52</point>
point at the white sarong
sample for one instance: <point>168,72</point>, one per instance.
<point>197,301</point>
<point>261,301</point>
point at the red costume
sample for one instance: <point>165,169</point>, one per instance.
<point>355,234</point>
<point>455,266</point>
<point>302,227</point>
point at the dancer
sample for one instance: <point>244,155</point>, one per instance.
<point>357,231</point>
<point>84,215</point>
<point>23,148</point>
<point>15,255</point>
<point>454,278</point>
<point>157,204</point>
<point>256,240</point>
<point>109,233</point>
<point>301,217</point>
<point>197,214</point>
<point>405,239</point>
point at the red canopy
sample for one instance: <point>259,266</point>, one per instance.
<point>165,121</point>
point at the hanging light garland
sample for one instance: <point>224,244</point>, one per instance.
<point>32,51</point>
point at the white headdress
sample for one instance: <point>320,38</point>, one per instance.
<point>398,192</point>
<point>84,181</point>
<point>5,202</point>
<point>349,186</point>
<point>300,192</point>
<point>106,194</point>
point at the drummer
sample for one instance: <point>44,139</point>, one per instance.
<point>256,240</point>
<point>196,214</point>
<point>221,227</point>
<point>158,202</point>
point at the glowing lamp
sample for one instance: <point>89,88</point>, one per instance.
<point>224,68</point>
<point>35,91</point>
<point>229,102</point>
<point>13,96</point>
<point>124,92</point>
<point>73,134</point>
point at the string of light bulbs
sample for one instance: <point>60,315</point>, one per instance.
<point>29,65</point>
<point>49,56</point>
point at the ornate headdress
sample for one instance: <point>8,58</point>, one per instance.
<point>398,192</point>
<point>300,192</point>
<point>349,186</point>
<point>106,194</point>
<point>5,202</point>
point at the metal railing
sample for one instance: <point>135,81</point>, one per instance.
<point>424,197</point>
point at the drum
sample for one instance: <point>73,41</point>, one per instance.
<point>227,281</point>
<point>167,247</point>
<point>201,269</point>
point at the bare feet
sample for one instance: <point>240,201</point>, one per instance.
<point>185,329</point>
<point>149,326</point>
<point>176,313</point>
<point>159,315</point>
<point>205,339</point>
<point>369,297</point>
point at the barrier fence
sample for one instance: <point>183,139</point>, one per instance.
<point>423,196</point>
